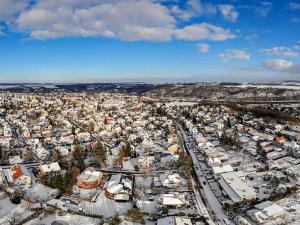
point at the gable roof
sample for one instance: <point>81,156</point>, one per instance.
<point>19,170</point>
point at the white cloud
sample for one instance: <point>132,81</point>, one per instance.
<point>10,8</point>
<point>232,54</point>
<point>127,20</point>
<point>297,47</point>
<point>294,6</point>
<point>263,8</point>
<point>185,15</point>
<point>280,51</point>
<point>229,12</point>
<point>192,8</point>
<point>251,37</point>
<point>203,47</point>
<point>130,20</point>
<point>204,31</point>
<point>195,5</point>
<point>278,64</point>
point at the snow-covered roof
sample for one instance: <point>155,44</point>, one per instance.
<point>236,189</point>
<point>90,174</point>
<point>52,167</point>
<point>174,221</point>
<point>173,200</point>
<point>222,169</point>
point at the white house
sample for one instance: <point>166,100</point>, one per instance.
<point>171,180</point>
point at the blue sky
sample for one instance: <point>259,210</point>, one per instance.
<point>149,40</point>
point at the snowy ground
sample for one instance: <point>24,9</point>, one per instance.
<point>106,207</point>
<point>280,86</point>
<point>6,207</point>
<point>143,182</point>
<point>72,219</point>
<point>129,164</point>
<point>86,194</point>
<point>20,212</point>
<point>147,206</point>
<point>41,193</point>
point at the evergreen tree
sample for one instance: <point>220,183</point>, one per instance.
<point>101,152</point>
<point>186,163</point>
<point>78,160</point>
<point>73,130</point>
<point>134,215</point>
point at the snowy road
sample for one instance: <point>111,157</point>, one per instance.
<point>208,194</point>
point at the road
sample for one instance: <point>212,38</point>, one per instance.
<point>200,204</point>
<point>29,165</point>
<point>212,201</point>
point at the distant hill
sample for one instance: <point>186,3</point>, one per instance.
<point>228,91</point>
<point>225,90</point>
<point>136,88</point>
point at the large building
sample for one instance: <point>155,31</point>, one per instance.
<point>89,178</point>
<point>236,189</point>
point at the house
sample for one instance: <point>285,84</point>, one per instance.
<point>5,142</point>
<point>174,220</point>
<point>42,153</point>
<point>173,149</point>
<point>217,170</point>
<point>51,168</point>
<point>172,138</point>
<point>211,152</point>
<point>200,140</point>
<point>214,162</point>
<point>147,143</point>
<point>266,212</point>
<point>171,180</point>
<point>280,140</point>
<point>20,175</point>
<point>173,200</point>
<point>119,187</point>
<point>145,162</point>
<point>14,159</point>
<point>89,178</point>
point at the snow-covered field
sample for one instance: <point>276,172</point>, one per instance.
<point>71,219</point>
<point>85,194</point>
<point>19,213</point>
<point>279,86</point>
<point>41,193</point>
<point>3,86</point>
<point>6,207</point>
<point>106,207</point>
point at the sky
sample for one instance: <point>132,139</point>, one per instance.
<point>64,41</point>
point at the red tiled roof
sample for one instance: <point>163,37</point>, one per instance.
<point>16,172</point>
<point>280,139</point>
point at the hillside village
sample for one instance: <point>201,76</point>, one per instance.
<point>111,158</point>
